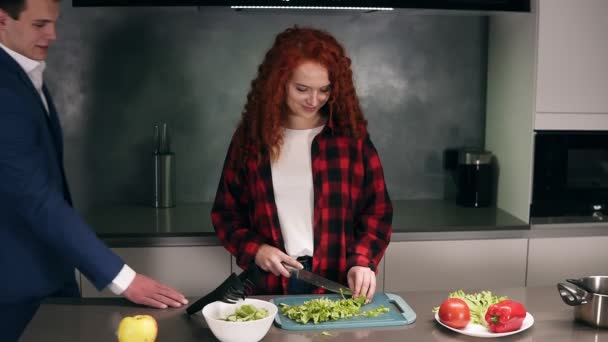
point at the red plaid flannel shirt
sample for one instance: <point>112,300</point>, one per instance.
<point>352,220</point>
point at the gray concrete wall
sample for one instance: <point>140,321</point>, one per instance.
<point>114,72</point>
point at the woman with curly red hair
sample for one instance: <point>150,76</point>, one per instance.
<point>302,184</point>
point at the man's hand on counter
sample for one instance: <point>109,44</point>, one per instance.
<point>147,291</point>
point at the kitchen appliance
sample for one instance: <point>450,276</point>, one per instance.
<point>366,5</point>
<point>400,313</point>
<point>590,305</point>
<point>474,178</point>
<point>164,168</point>
<point>318,281</point>
<point>570,182</point>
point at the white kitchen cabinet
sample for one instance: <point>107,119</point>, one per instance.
<point>453,265</point>
<point>380,276</point>
<point>572,67</point>
<point>552,260</point>
<point>547,70</point>
<point>194,271</point>
<point>510,108</point>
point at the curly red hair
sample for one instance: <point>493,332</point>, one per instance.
<point>261,125</point>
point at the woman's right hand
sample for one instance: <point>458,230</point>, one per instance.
<point>271,259</point>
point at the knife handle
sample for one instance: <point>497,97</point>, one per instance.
<point>291,269</point>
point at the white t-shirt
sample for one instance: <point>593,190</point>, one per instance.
<point>293,190</point>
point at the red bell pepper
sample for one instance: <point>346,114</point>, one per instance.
<point>505,316</point>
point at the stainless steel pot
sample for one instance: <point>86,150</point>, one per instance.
<point>589,296</point>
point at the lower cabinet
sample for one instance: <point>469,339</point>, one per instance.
<point>552,260</point>
<point>407,266</point>
<point>380,275</point>
<point>453,265</point>
<point>194,271</point>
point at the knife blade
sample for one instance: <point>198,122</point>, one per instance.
<point>319,281</point>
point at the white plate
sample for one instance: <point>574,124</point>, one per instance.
<point>478,330</point>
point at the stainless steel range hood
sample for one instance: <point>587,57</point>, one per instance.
<point>364,5</point>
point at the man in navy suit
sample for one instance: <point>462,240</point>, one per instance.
<point>42,237</point>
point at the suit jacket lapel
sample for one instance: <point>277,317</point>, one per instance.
<point>55,128</point>
<point>12,64</point>
<point>15,67</point>
<point>54,124</point>
<point>52,119</point>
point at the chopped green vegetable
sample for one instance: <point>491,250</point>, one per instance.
<point>324,309</point>
<point>247,312</point>
<point>478,303</point>
<point>376,312</point>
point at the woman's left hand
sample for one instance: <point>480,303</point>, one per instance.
<point>362,281</point>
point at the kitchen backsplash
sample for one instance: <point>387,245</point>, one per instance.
<point>114,72</point>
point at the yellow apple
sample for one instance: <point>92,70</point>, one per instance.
<point>140,328</point>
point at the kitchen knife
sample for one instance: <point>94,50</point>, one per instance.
<point>319,281</point>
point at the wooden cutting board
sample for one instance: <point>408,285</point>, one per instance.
<point>400,313</point>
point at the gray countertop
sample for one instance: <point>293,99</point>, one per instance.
<point>413,220</point>
<point>94,320</point>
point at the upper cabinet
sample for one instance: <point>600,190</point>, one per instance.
<point>572,65</point>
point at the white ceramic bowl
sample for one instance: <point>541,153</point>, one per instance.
<point>250,331</point>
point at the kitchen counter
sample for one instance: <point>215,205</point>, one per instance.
<point>95,320</point>
<point>413,220</point>
<point>190,224</point>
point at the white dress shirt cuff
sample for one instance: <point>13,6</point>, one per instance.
<point>122,281</point>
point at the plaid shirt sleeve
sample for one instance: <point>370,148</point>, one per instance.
<point>373,222</point>
<point>230,216</point>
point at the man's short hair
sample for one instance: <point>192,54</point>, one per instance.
<point>13,7</point>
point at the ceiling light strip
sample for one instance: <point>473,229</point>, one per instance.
<point>316,7</point>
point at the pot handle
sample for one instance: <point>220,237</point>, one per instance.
<point>572,296</point>
<point>580,284</point>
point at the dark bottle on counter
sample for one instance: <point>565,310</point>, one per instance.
<point>474,177</point>
<point>164,169</point>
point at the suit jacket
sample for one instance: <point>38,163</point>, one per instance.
<point>42,237</point>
